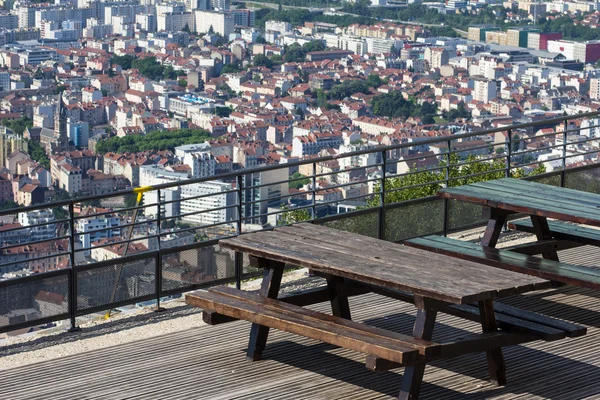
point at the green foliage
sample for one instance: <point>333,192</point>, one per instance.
<point>261,60</point>
<point>169,72</point>
<point>124,61</point>
<point>442,31</point>
<point>454,114</point>
<point>149,67</point>
<point>159,140</point>
<point>182,83</point>
<point>375,81</point>
<point>425,183</point>
<point>569,30</point>
<point>19,125</point>
<point>302,180</point>
<point>211,30</point>
<point>231,68</point>
<point>260,40</point>
<point>223,112</point>
<point>36,152</point>
<point>293,216</point>
<point>186,28</point>
<point>8,205</point>
<point>297,53</point>
<point>393,105</point>
<point>348,88</point>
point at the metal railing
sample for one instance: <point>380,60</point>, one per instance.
<point>169,250</point>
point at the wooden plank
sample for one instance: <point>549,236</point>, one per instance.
<point>349,266</point>
<point>547,269</point>
<point>518,203</point>
<point>425,347</point>
<point>457,273</point>
<point>509,323</point>
<point>541,246</point>
<point>322,330</point>
<point>472,343</point>
<point>303,298</point>
<point>562,230</point>
<point>572,330</point>
<point>471,313</point>
<point>541,192</point>
<point>548,191</point>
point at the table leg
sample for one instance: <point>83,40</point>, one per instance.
<point>273,271</point>
<point>338,296</point>
<point>542,232</point>
<point>496,221</point>
<point>423,329</point>
<point>495,359</point>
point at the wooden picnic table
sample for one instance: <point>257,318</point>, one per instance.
<point>348,261</point>
<point>507,196</point>
<point>504,197</point>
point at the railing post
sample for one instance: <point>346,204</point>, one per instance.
<point>72,272</point>
<point>509,153</point>
<point>314,192</point>
<point>158,261</point>
<point>564,154</point>
<point>382,193</point>
<point>445,203</point>
<point>238,257</point>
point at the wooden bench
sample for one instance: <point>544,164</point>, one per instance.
<point>385,349</point>
<point>507,259</point>
<point>562,230</point>
<point>238,304</point>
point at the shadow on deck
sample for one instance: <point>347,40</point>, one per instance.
<point>209,362</point>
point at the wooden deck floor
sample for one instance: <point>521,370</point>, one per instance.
<point>208,362</point>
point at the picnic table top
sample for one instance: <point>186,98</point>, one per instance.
<point>531,198</point>
<point>382,263</point>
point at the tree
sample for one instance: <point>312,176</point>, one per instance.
<point>157,140</point>
<point>293,216</point>
<point>297,180</point>
<point>36,152</point>
<point>260,40</point>
<point>222,112</point>
<point>19,125</point>
<point>211,30</point>
<point>186,28</point>
<point>124,61</point>
<point>261,60</point>
<point>182,83</point>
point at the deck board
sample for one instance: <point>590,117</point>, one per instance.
<point>208,362</point>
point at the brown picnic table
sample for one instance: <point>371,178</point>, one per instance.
<point>354,264</point>
<point>568,209</point>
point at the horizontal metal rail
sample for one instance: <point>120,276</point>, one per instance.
<point>564,146</point>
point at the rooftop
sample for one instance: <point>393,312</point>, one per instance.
<point>208,362</point>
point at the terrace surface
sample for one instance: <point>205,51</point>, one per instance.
<point>208,362</point>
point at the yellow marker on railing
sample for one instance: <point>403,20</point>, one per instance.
<point>141,190</point>
<point>140,193</point>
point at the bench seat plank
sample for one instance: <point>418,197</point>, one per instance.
<point>572,330</point>
<point>505,259</point>
<point>424,347</point>
<point>252,307</point>
<point>563,231</point>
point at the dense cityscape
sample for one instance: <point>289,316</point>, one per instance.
<point>99,97</point>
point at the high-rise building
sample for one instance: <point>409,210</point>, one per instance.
<point>484,90</point>
<point>477,32</point>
